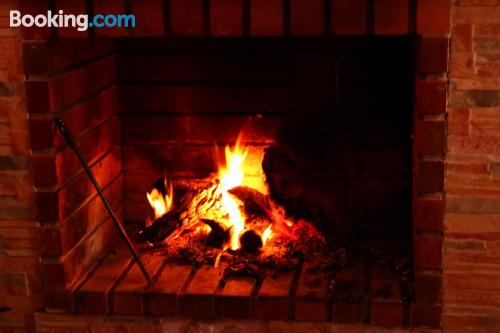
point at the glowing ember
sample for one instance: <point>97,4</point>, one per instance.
<point>231,175</point>
<point>268,234</point>
<point>161,203</point>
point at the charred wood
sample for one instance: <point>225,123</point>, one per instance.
<point>218,234</point>
<point>250,241</point>
<point>255,203</point>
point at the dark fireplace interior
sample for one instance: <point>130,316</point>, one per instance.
<point>337,115</point>
<point>340,110</point>
<point>328,125</point>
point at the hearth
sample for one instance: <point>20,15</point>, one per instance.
<point>268,179</point>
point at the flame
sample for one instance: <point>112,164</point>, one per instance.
<point>161,204</point>
<point>231,175</point>
<point>268,234</point>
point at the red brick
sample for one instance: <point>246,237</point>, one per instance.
<point>386,306</point>
<point>35,60</point>
<point>203,129</point>
<point>433,17</point>
<point>74,85</point>
<point>234,300</point>
<point>348,312</point>
<point>391,17</point>
<point>105,7</point>
<point>70,53</point>
<point>478,3</point>
<point>429,214</point>
<point>162,298</point>
<point>430,177</point>
<point>198,299</point>
<point>53,276</point>
<point>433,55</point>
<point>149,17</point>
<point>386,313</point>
<point>59,299</point>
<point>462,65</point>
<point>428,252</point>
<point>89,217</point>
<point>488,69</point>
<point>266,17</point>
<point>430,137</point>
<point>425,315</point>
<point>203,98</point>
<point>486,29</point>
<point>349,17</point>
<point>37,96</point>
<point>468,168</point>
<point>431,97</point>
<point>226,17</point>
<point>44,170</point>
<point>13,284</point>
<point>92,296</point>
<point>129,293</point>
<point>428,288</point>
<point>93,146</point>
<point>461,37</point>
<point>273,298</point>
<point>42,133</point>
<point>481,15</point>
<point>307,17</point>
<point>78,191</point>
<point>48,207</point>
<point>471,280</point>
<point>311,296</point>
<point>458,122</point>
<point>35,7</point>
<point>91,113</point>
<point>90,250</point>
<point>348,303</point>
<point>186,17</point>
<point>76,7</point>
<point>51,246</point>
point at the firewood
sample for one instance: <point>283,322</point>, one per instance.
<point>255,203</point>
<point>218,234</point>
<point>187,211</point>
<point>160,228</point>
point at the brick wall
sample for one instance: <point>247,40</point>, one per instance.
<point>19,234</point>
<point>472,221</point>
<point>73,80</point>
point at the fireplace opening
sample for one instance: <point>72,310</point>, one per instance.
<point>301,148</point>
<point>330,122</point>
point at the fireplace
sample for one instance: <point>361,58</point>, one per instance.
<point>324,126</point>
<point>342,129</point>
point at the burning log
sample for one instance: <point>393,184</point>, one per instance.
<point>218,235</point>
<point>250,241</point>
<point>160,228</point>
<point>255,203</point>
<point>193,205</point>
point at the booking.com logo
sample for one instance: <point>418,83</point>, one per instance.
<point>81,22</point>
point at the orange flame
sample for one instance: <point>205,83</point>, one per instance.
<point>161,204</point>
<point>231,175</point>
<point>268,234</point>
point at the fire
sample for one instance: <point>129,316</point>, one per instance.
<point>231,175</point>
<point>268,234</point>
<point>161,203</point>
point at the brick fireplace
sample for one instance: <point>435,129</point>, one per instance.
<point>154,98</point>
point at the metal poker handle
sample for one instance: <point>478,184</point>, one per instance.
<point>71,142</point>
